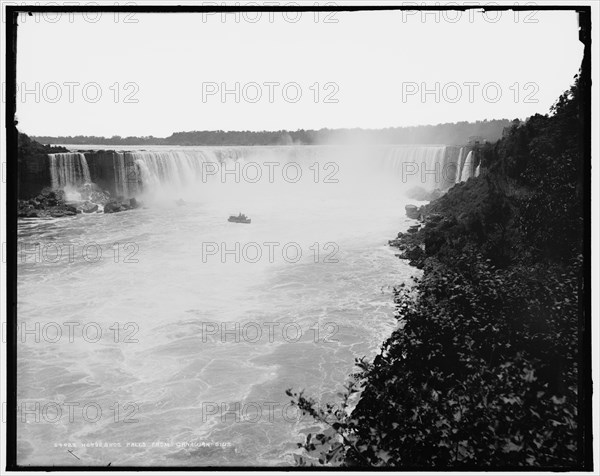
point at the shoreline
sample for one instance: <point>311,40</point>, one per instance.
<point>485,371</point>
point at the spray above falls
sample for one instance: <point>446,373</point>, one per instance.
<point>169,172</point>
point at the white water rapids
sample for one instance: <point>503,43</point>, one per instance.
<point>167,335</point>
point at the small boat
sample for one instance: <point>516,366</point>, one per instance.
<point>241,218</point>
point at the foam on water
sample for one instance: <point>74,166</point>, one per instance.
<point>175,369</point>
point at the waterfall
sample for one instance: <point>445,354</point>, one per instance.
<point>121,175</point>
<point>478,170</point>
<point>467,170</point>
<point>128,173</point>
<point>68,170</point>
<point>176,168</point>
<point>169,171</point>
<point>461,164</point>
<point>427,166</point>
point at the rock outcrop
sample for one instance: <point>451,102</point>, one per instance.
<point>33,171</point>
<point>121,204</point>
<point>49,203</point>
<point>412,211</point>
<point>422,195</point>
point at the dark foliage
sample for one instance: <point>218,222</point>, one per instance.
<point>483,369</point>
<point>31,163</point>
<point>28,147</point>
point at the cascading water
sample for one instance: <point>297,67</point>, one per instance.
<point>467,170</point>
<point>122,178</point>
<point>180,171</point>
<point>171,168</point>
<point>174,371</point>
<point>171,171</point>
<point>461,163</point>
<point>428,166</point>
<point>68,170</point>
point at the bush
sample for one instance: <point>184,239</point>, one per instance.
<point>482,372</point>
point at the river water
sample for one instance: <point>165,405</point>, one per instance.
<point>167,336</point>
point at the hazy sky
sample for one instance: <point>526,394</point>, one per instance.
<point>374,64</point>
